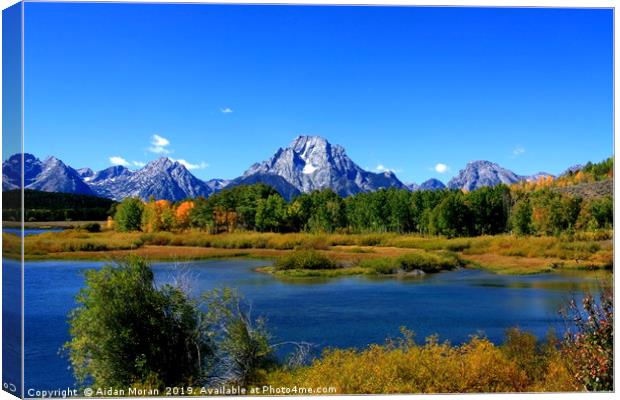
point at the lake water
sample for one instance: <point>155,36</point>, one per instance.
<point>30,231</point>
<point>344,312</point>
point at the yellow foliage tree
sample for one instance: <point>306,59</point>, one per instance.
<point>158,216</point>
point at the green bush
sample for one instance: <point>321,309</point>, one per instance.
<point>423,261</point>
<point>127,330</point>
<point>305,259</point>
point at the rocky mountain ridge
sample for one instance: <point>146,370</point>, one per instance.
<point>309,163</point>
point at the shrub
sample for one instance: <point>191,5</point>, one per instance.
<point>127,330</point>
<point>92,227</point>
<point>589,349</point>
<point>403,366</point>
<point>243,351</point>
<point>427,262</point>
<point>424,261</point>
<point>305,259</point>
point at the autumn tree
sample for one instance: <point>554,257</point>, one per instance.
<point>182,214</point>
<point>158,216</point>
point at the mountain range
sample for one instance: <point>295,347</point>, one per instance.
<point>309,163</point>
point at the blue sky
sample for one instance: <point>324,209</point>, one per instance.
<point>409,89</point>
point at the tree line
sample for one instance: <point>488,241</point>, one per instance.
<point>452,213</point>
<point>50,206</point>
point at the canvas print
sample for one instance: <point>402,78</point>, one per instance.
<point>219,199</point>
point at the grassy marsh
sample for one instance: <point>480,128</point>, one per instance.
<point>356,252</point>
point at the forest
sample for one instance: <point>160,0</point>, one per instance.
<point>47,206</point>
<point>528,208</point>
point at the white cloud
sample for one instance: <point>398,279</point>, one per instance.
<point>441,168</point>
<point>189,165</point>
<point>159,144</point>
<point>382,168</point>
<point>116,160</point>
<point>226,110</point>
<point>518,151</point>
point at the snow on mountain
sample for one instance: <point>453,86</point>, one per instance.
<point>162,179</point>
<point>312,163</point>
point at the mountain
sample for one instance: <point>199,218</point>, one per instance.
<point>217,184</point>
<point>109,182</point>
<point>312,163</point>
<point>111,174</point>
<point>413,186</point>
<point>477,174</point>
<point>163,179</point>
<point>432,184</point>
<point>85,173</point>
<point>50,175</point>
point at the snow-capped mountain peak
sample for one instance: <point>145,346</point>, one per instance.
<point>312,163</point>
<point>481,173</point>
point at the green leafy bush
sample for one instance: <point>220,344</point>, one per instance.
<point>305,259</point>
<point>423,261</point>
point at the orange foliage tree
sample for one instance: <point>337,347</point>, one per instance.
<point>183,212</point>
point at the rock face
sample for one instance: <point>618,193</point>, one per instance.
<point>110,182</point>
<point>85,173</point>
<point>477,174</point>
<point>163,179</point>
<point>309,163</point>
<point>217,184</point>
<point>50,175</point>
<point>312,163</point>
<point>432,184</point>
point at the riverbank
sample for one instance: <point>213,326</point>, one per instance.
<point>504,254</point>
<point>50,224</point>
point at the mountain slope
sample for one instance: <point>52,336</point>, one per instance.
<point>50,175</point>
<point>109,182</point>
<point>312,163</point>
<point>163,179</point>
<point>217,184</point>
<point>432,184</point>
<point>477,174</point>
